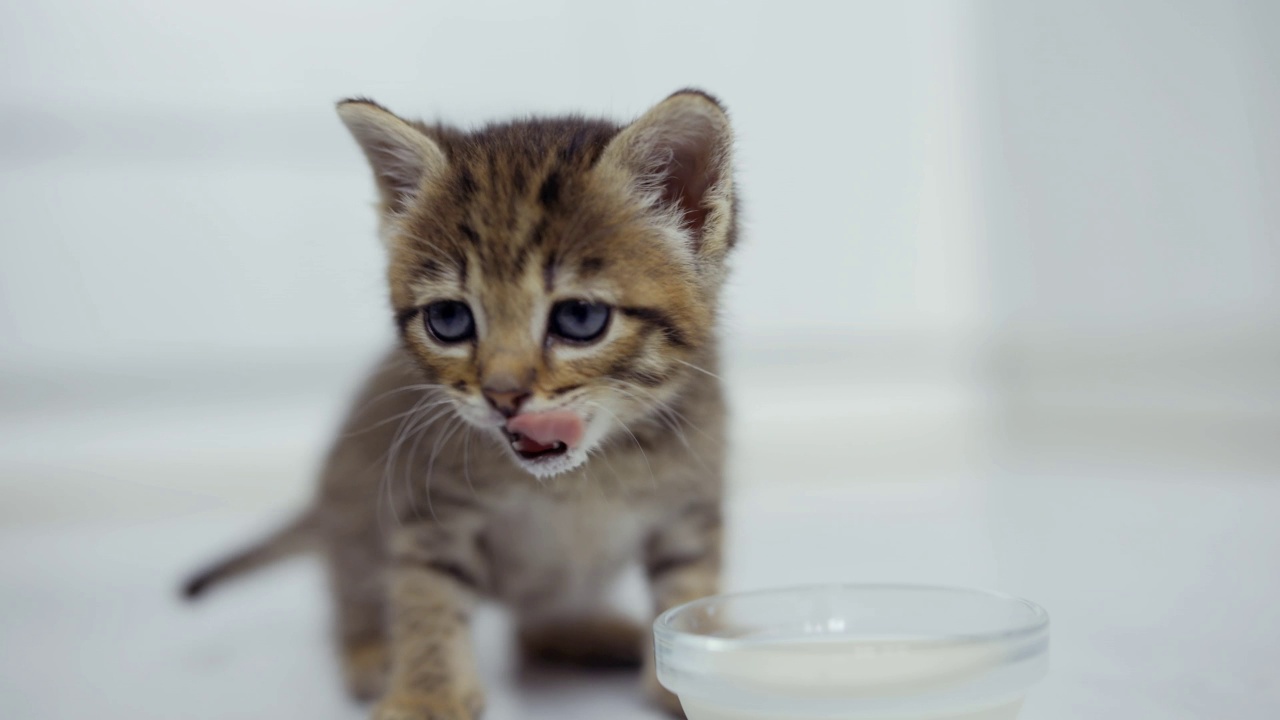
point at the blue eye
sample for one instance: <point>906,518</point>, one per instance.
<point>579,320</point>
<point>450,321</point>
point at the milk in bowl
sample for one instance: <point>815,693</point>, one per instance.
<point>874,652</point>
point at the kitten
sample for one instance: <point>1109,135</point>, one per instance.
<point>551,414</point>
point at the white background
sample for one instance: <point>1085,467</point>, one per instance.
<point>1024,254</point>
<point>182,183</point>
<point>175,180</point>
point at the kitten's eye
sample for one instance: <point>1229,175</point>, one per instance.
<point>579,320</point>
<point>450,321</point>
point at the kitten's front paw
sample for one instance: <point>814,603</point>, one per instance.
<point>364,666</point>
<point>429,707</point>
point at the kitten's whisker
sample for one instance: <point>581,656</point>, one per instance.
<point>416,430</point>
<point>418,433</point>
<point>422,433</point>
<point>449,430</point>
<point>670,417</point>
<point>591,481</point>
<point>663,404</point>
<point>634,439</point>
<point>617,479</point>
<point>659,411</point>
<point>466,460</point>
<point>418,409</point>
<point>699,369</point>
<point>390,420</point>
<point>388,459</point>
<point>425,387</point>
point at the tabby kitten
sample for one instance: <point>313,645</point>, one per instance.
<point>551,414</point>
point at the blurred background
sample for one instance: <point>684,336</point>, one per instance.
<point>1007,313</point>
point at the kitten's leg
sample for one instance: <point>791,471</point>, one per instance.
<point>355,564</point>
<point>602,641</point>
<point>683,563</point>
<point>435,579</point>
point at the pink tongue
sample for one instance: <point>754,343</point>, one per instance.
<point>548,428</point>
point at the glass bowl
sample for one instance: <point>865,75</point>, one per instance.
<point>853,652</point>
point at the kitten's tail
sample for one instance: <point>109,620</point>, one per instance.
<point>297,536</point>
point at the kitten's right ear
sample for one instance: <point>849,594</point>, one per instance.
<point>680,152</point>
<point>401,155</point>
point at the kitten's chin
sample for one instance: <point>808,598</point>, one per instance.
<point>543,464</point>
<point>542,446</point>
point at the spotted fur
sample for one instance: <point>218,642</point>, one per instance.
<point>423,508</point>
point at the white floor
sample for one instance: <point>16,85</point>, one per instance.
<point>1162,578</point>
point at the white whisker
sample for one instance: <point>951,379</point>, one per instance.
<point>416,429</point>
<point>388,458</point>
<point>593,483</point>
<point>466,460</point>
<point>424,387</point>
<point>617,479</point>
<point>663,405</point>
<point>652,477</point>
<point>444,435</point>
<point>393,418</point>
<point>699,369</point>
<point>417,433</point>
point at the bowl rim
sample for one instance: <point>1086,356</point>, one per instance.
<point>666,633</point>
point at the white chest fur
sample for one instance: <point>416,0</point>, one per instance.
<point>557,555</point>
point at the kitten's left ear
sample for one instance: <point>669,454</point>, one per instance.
<point>402,156</point>
<point>682,150</point>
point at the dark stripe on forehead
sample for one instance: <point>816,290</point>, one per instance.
<point>549,193</point>
<point>536,240</point>
<point>466,186</point>
<point>549,272</point>
<point>570,151</point>
<point>538,236</point>
<point>469,233</point>
<point>451,266</point>
<point>491,157</point>
<point>590,266</point>
<point>586,141</point>
<point>659,320</point>
<point>519,180</point>
<point>432,269</point>
<point>518,260</point>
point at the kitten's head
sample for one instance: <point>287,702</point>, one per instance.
<point>556,278</point>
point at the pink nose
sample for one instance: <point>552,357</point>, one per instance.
<point>549,428</point>
<point>506,402</point>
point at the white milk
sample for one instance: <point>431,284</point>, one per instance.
<point>883,673</point>
<point>699,711</point>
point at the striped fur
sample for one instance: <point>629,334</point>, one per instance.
<point>423,508</point>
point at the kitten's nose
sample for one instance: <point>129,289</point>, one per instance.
<point>506,401</point>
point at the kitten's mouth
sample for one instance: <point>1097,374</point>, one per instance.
<point>543,436</point>
<point>531,449</point>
